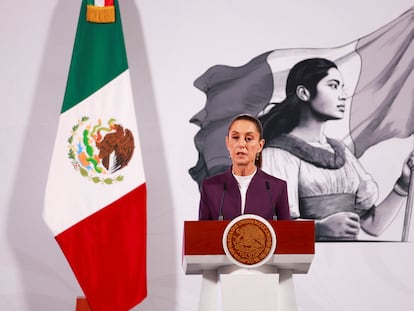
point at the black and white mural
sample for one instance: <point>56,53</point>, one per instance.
<point>362,89</point>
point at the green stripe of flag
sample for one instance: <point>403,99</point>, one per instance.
<point>91,69</point>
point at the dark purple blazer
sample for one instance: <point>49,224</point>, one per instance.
<point>264,195</point>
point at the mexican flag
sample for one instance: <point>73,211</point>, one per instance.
<point>95,202</point>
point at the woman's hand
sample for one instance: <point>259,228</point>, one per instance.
<point>408,166</point>
<point>344,225</point>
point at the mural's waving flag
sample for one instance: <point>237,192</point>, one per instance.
<point>377,69</point>
<point>95,201</point>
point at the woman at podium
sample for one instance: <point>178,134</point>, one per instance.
<point>244,188</point>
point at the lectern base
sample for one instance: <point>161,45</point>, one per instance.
<point>232,288</point>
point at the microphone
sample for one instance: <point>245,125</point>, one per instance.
<point>222,201</point>
<point>270,200</point>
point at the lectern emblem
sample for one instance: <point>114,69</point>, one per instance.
<point>249,240</point>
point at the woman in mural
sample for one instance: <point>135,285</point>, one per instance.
<point>325,180</point>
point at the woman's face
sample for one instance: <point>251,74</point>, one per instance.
<point>329,102</point>
<point>244,143</point>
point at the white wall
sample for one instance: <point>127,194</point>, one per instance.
<point>170,43</point>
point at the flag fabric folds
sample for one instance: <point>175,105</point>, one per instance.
<point>378,73</point>
<point>95,201</point>
<point>383,102</point>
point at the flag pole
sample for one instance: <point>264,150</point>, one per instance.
<point>408,210</point>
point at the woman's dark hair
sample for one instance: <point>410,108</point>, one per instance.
<point>284,116</point>
<point>258,126</point>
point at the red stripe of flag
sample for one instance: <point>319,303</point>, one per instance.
<point>111,240</point>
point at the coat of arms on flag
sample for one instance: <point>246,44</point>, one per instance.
<point>98,151</point>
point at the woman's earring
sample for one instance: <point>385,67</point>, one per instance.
<point>257,156</point>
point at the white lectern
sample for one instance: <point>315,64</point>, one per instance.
<point>250,285</point>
